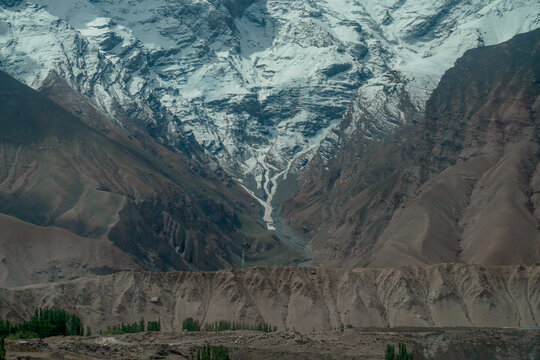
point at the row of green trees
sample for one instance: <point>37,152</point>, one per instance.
<point>57,322</point>
<point>213,353</point>
<point>233,326</point>
<point>401,354</point>
<point>44,323</point>
<point>154,326</point>
<point>135,327</point>
<point>190,324</point>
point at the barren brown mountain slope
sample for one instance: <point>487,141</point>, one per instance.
<point>31,254</point>
<point>460,185</point>
<point>297,298</point>
<point>57,171</point>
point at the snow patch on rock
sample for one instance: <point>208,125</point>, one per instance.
<point>259,84</point>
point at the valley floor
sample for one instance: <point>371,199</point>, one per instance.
<point>427,343</point>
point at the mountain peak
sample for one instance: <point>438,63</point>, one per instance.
<point>260,84</point>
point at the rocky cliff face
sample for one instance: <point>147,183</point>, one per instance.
<point>461,184</point>
<point>260,84</point>
<point>298,298</point>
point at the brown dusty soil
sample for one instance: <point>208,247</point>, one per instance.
<point>427,343</point>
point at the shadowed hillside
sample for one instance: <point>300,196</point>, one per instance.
<point>461,185</point>
<point>57,171</point>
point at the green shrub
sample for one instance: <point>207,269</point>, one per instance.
<point>402,353</point>
<point>190,324</point>
<point>224,325</point>
<point>154,326</point>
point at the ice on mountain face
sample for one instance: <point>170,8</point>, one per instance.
<point>103,64</point>
<point>259,83</point>
<point>422,40</point>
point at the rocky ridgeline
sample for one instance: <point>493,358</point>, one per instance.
<point>302,299</point>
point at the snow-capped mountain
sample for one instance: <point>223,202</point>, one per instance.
<point>259,83</point>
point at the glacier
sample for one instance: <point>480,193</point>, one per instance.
<point>260,84</point>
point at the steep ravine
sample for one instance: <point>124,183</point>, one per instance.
<point>97,182</point>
